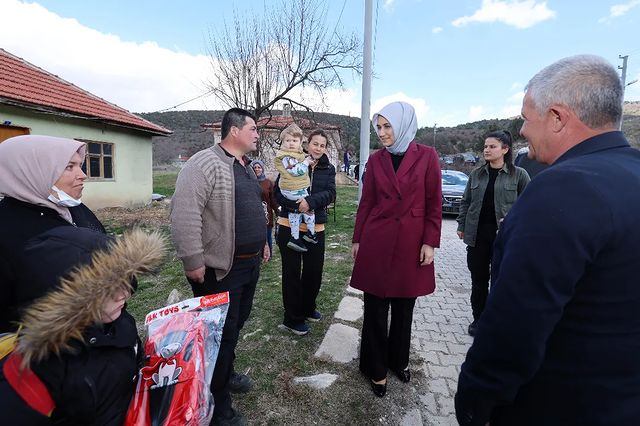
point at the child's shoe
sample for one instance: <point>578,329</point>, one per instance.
<point>310,238</point>
<point>297,245</point>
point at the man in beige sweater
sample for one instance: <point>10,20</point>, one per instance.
<point>219,231</point>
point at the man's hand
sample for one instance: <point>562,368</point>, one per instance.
<point>303,206</point>
<point>461,235</point>
<point>354,250</point>
<point>426,255</point>
<point>196,275</point>
<point>266,253</point>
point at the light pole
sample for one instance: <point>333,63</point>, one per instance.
<point>367,63</point>
<point>623,90</point>
<point>434,134</point>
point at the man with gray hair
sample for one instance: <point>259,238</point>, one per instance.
<point>559,340</point>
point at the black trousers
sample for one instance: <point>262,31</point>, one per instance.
<point>384,346</point>
<point>479,263</point>
<point>301,277</point>
<point>241,285</point>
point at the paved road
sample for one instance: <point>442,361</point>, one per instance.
<point>440,328</point>
<point>439,339</point>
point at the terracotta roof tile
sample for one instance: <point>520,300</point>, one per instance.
<point>24,83</point>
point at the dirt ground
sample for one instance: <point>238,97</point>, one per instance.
<point>152,215</point>
<point>268,353</point>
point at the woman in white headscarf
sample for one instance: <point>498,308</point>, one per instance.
<point>41,180</point>
<point>397,228</point>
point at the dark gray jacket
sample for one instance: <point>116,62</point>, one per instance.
<point>508,188</point>
<point>558,343</point>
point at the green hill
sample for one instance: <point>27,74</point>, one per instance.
<point>189,137</point>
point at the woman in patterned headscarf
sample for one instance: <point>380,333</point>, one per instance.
<point>397,228</point>
<point>41,180</point>
<point>268,199</point>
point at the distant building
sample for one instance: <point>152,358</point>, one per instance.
<point>270,128</point>
<point>180,161</point>
<point>118,161</point>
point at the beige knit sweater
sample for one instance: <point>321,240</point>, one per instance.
<point>287,180</point>
<point>203,211</point>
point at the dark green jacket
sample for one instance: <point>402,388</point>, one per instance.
<point>508,188</point>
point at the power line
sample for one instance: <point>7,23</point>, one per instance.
<point>185,102</point>
<point>633,51</point>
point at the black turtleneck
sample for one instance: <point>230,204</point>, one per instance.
<point>396,160</point>
<point>488,211</point>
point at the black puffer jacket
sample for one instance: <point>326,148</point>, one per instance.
<point>323,190</point>
<point>19,222</point>
<point>88,368</point>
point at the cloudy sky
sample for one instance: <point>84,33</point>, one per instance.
<point>455,61</point>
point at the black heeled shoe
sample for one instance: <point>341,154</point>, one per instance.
<point>379,389</point>
<point>403,375</point>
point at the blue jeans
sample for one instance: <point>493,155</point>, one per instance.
<point>270,240</point>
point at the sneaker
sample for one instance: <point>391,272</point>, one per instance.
<point>240,383</point>
<point>298,329</point>
<point>297,245</point>
<point>231,418</point>
<point>310,238</point>
<point>315,316</point>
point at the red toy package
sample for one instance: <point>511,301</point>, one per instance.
<point>181,349</point>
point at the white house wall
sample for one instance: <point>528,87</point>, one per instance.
<point>132,163</point>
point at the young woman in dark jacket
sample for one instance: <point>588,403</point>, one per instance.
<point>491,191</point>
<point>41,180</point>
<point>78,351</point>
<point>302,272</point>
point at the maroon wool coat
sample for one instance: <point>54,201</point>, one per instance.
<point>398,213</point>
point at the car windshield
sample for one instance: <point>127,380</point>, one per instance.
<point>454,179</point>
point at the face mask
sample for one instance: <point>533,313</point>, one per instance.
<point>64,199</point>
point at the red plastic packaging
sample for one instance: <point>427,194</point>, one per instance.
<point>181,349</point>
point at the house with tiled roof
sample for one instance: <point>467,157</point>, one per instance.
<point>269,129</point>
<point>119,149</point>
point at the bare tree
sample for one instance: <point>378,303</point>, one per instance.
<point>258,61</point>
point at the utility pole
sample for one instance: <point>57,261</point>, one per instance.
<point>624,81</point>
<point>365,125</point>
<point>434,134</point>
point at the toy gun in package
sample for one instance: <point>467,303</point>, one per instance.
<point>181,349</point>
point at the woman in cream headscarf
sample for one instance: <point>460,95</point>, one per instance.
<point>41,180</point>
<point>397,228</point>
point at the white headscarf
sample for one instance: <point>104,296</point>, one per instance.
<point>31,164</point>
<point>402,118</point>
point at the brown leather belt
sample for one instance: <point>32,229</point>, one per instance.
<point>247,255</point>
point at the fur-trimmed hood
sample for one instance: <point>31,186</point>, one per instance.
<point>65,312</point>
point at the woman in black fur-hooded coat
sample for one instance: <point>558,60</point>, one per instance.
<point>78,349</point>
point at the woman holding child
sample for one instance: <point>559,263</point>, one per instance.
<point>396,231</point>
<point>302,270</point>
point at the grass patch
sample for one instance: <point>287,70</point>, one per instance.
<point>164,182</point>
<point>271,356</point>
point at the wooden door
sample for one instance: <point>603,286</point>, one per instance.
<point>7,132</point>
